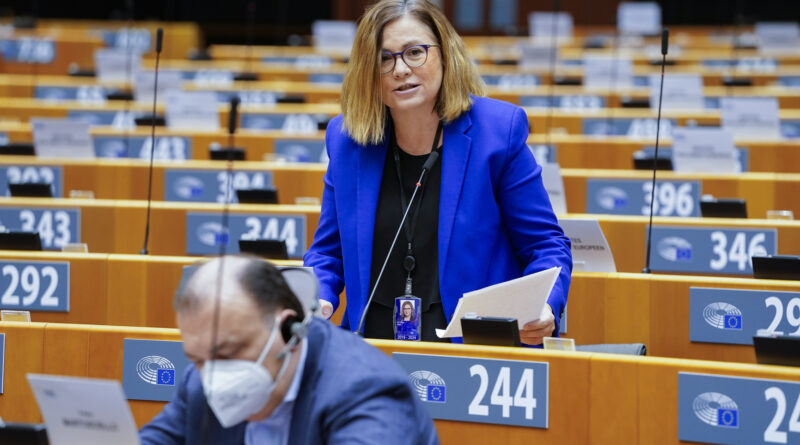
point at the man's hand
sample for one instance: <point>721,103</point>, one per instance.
<point>533,332</point>
<point>326,308</point>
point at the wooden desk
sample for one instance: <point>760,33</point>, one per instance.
<point>642,390</point>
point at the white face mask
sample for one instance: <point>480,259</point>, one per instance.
<point>240,388</point>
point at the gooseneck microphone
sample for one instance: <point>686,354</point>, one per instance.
<point>664,48</point>
<point>432,158</point>
<point>159,41</point>
<point>232,125</point>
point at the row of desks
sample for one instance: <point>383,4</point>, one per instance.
<point>127,179</point>
<point>111,226</point>
<point>137,290</point>
<point>592,398</point>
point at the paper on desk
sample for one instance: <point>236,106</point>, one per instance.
<point>522,298</point>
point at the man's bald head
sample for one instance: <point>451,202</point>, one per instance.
<point>233,277</point>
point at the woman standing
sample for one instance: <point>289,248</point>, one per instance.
<point>480,217</point>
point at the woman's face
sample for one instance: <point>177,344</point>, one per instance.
<point>405,88</point>
<point>407,310</point>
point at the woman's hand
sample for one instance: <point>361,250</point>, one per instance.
<point>326,308</point>
<point>533,332</point>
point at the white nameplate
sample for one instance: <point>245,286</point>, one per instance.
<point>535,55</point>
<point>116,65</point>
<point>707,150</point>
<point>335,35</point>
<point>192,110</point>
<point>62,138</point>
<point>776,37</point>
<point>751,117</point>
<point>144,82</point>
<point>604,72</point>
<point>681,92</point>
<point>554,185</point>
<point>545,25</point>
<point>639,18</point>
<point>589,245</point>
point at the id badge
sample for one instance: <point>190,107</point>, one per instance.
<point>407,320</point>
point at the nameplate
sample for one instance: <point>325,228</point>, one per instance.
<point>57,227</point>
<point>28,50</point>
<point>790,129</point>
<point>789,81</point>
<point>2,360</point>
<point>85,94</point>
<point>778,36</point>
<point>554,186</point>
<point>333,35</point>
<point>144,84</point>
<point>640,128</point>
<point>744,64</point>
<point>709,250</point>
<point>734,316</point>
<point>546,25</point>
<point>566,103</point>
<point>607,73</point>
<point>742,155</point>
<point>192,110</point>
<point>300,150</point>
<point>168,148</point>
<point>210,77</point>
<point>639,18</point>
<point>704,150</point>
<point>119,119</point>
<point>137,40</point>
<point>4,138</point>
<point>722,409</point>
<point>511,81</point>
<point>205,234</point>
<point>541,55</point>
<point>34,286</point>
<point>288,123</point>
<point>116,65</point>
<point>61,138</point>
<point>24,174</point>
<point>152,369</point>
<point>544,153</point>
<point>681,92</point>
<point>326,78</point>
<point>632,197</point>
<point>211,185</point>
<point>590,250</point>
<point>466,389</point>
<point>753,118</point>
<point>252,97</point>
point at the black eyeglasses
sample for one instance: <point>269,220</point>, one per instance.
<point>414,56</point>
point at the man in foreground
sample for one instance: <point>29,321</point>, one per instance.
<point>329,387</point>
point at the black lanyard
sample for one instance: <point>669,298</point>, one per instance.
<point>409,262</point>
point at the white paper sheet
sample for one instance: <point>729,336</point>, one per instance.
<point>85,411</point>
<point>523,298</point>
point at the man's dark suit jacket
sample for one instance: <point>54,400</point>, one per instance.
<point>350,392</point>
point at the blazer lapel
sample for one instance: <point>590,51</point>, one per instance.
<point>369,173</point>
<point>456,151</point>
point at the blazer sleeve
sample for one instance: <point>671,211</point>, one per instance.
<point>325,253</point>
<point>539,241</point>
<point>169,426</point>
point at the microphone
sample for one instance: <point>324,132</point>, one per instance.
<point>429,163</point>
<point>232,125</point>
<point>551,91</point>
<point>664,48</point>
<point>159,39</point>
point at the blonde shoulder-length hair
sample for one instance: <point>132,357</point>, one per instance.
<point>362,106</point>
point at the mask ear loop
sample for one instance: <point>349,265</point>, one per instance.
<point>300,330</point>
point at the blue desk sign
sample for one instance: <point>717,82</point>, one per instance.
<point>466,389</point>
<point>327,78</point>
<point>210,185</point>
<point>209,77</point>
<point>790,129</point>
<point>57,227</point>
<point>789,81</point>
<point>567,103</point>
<point>249,97</point>
<point>709,250</point>
<point>3,138</point>
<point>168,148</point>
<point>152,369</point>
<point>136,39</point>
<point>632,197</point>
<point>518,80</point>
<point>734,316</point>
<point>204,231</point>
<point>83,93</point>
<point>640,128</point>
<point>23,174</point>
<point>28,50</point>
<point>737,410</point>
<point>295,123</point>
<point>301,150</point>
<point>744,155</point>
<point>752,64</point>
<point>544,154</point>
<point>2,360</point>
<point>34,286</point>
<point>116,119</point>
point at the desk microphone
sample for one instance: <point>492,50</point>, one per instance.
<point>664,48</point>
<point>159,41</point>
<point>432,158</point>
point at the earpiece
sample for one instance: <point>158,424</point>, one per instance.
<point>291,327</point>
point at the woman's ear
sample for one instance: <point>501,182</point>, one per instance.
<point>288,320</point>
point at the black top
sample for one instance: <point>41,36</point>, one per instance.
<point>425,276</point>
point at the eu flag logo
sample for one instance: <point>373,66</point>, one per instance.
<point>166,377</point>
<point>683,254</point>
<point>728,418</point>
<point>436,393</point>
<point>733,322</point>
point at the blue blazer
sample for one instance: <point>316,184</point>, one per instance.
<point>350,392</point>
<point>496,222</point>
